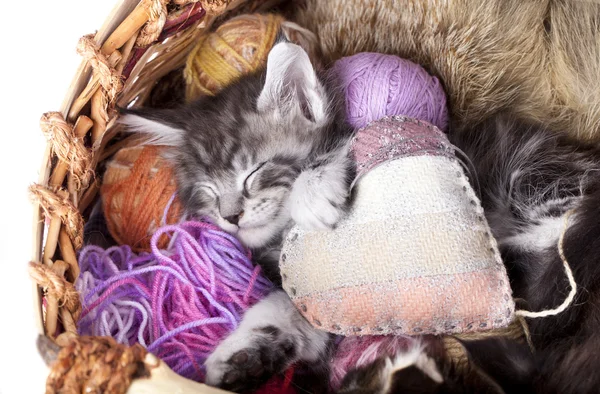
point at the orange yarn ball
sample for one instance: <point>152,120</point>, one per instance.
<point>138,186</point>
<point>238,47</point>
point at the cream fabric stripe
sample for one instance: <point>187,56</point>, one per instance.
<point>436,248</point>
<point>425,221</point>
<point>414,185</point>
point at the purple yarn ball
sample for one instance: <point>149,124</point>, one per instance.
<point>179,303</point>
<point>378,85</point>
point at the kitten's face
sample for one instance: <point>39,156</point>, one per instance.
<point>237,154</point>
<point>249,201</point>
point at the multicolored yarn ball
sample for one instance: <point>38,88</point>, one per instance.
<point>179,302</point>
<point>356,352</point>
<point>238,47</point>
<point>378,85</point>
<point>138,195</point>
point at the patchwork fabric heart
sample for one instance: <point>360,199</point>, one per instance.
<point>414,256</point>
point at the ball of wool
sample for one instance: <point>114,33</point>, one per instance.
<point>139,195</point>
<point>178,302</point>
<point>378,85</point>
<point>237,47</point>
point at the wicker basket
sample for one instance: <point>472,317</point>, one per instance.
<point>141,42</point>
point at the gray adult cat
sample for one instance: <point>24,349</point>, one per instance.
<point>269,151</point>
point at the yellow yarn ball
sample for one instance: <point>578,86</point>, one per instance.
<point>237,47</point>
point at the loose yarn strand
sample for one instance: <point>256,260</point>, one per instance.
<point>567,302</point>
<point>526,332</point>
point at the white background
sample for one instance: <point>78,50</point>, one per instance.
<point>37,63</point>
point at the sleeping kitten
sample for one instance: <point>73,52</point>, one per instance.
<point>529,179</point>
<point>269,151</point>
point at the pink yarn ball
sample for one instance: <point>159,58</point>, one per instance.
<point>355,352</point>
<point>378,85</point>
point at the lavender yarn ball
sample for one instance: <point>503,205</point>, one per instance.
<point>378,85</point>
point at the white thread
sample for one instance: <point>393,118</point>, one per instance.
<point>567,302</point>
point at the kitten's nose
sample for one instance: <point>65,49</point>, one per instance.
<point>231,207</point>
<point>234,219</point>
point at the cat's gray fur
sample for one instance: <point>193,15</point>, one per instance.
<point>269,151</point>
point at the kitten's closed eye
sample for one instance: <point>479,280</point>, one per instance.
<point>274,175</point>
<point>250,178</point>
<point>211,190</point>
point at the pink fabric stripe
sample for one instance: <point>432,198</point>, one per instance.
<point>395,137</point>
<point>465,302</point>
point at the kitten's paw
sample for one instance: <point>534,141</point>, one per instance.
<point>246,360</point>
<point>272,336</point>
<point>318,199</point>
<point>316,212</point>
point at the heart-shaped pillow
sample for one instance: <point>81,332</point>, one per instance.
<point>415,255</point>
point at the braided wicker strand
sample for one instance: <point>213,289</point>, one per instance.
<point>61,295</point>
<point>155,24</point>
<point>57,203</point>
<point>109,78</point>
<point>101,365</point>
<point>68,146</point>
<point>56,285</point>
<point>93,365</point>
<point>215,6</point>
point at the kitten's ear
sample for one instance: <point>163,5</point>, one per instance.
<point>158,125</point>
<point>291,83</point>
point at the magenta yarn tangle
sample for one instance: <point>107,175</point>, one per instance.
<point>355,352</point>
<point>378,85</point>
<point>178,303</point>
